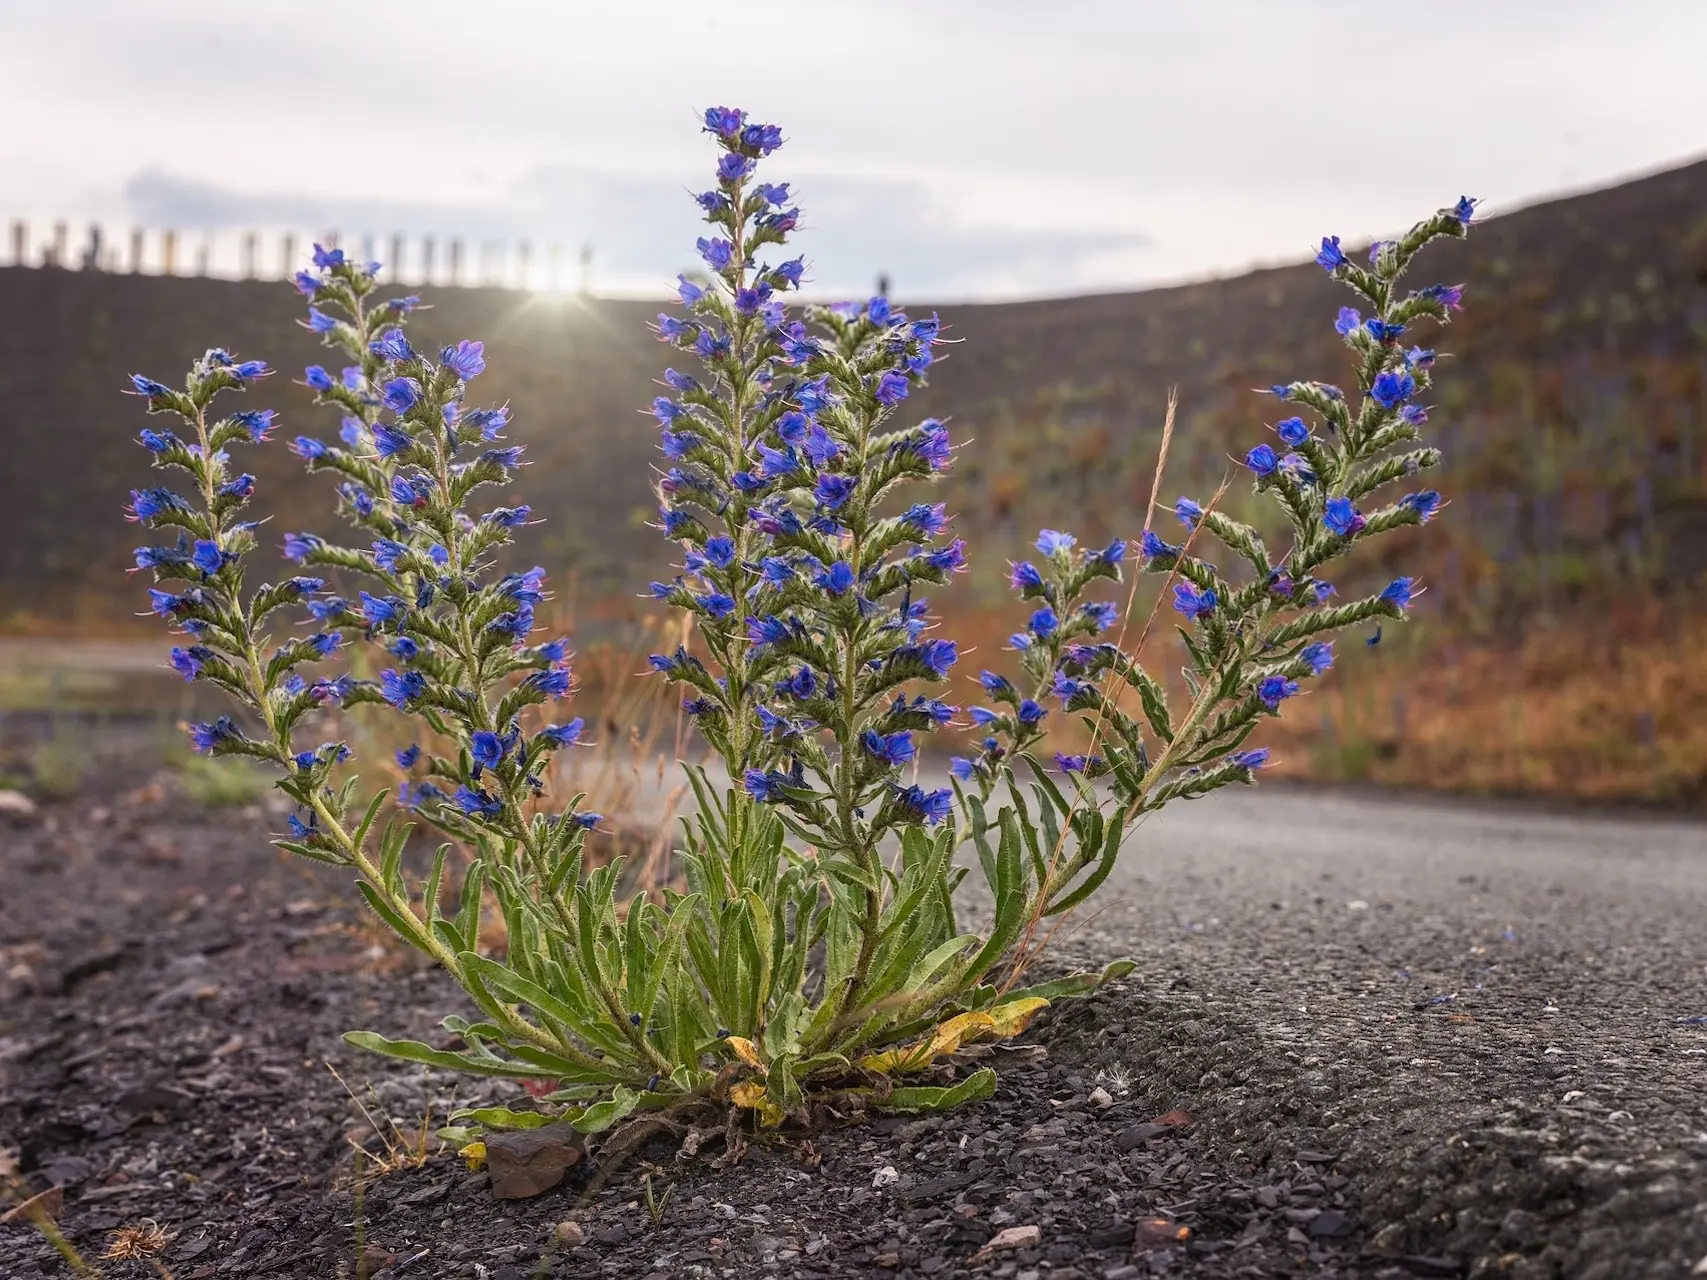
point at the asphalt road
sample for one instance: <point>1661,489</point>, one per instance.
<point>1498,1013</point>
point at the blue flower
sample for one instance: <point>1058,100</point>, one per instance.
<point>1425,504</point>
<point>401,394</point>
<point>1249,759</point>
<point>474,801</point>
<point>148,386</point>
<point>832,491</point>
<point>325,643</point>
<point>489,422</point>
<point>1102,614</point>
<point>415,795</point>
<point>766,788</point>
<point>553,683</point>
<point>208,557</point>
<point>327,258</point>
<point>407,756</point>
<point>718,604</point>
<point>486,749</point>
<point>564,735</point>
<point>1076,764</point>
<point>1273,690</point>
<point>1051,541</point>
<point>306,283</point>
<point>930,807</point>
<point>588,821</point>
<point>209,737</point>
<point>765,138</point>
<point>995,684</point>
<point>401,688</point>
<point>939,655</point>
<point>1023,576</point>
<point>1400,592</point>
<point>733,166</point>
<point>1153,546</point>
<point>892,388</point>
<point>1261,460</point>
<point>466,359</point>
<point>717,252</point>
<point>763,631</point>
<point>1342,518</point>
<point>1383,330</point>
<point>1292,431</point>
<point>962,768</point>
<point>1192,602</point>
<point>1189,512</point>
<point>891,748</point>
<point>725,122</point>
<point>308,448</point>
<point>188,662</point>
<point>404,305</point>
<point>317,378</point>
<point>389,441</point>
<point>1043,622</point>
<point>379,610</point>
<point>802,684</point>
<point>1329,255</point>
<point>1030,712</point>
<point>838,579</point>
<point>392,345</point>
<point>1463,210</point>
<point>949,559</point>
<point>320,322</point>
<point>1451,296</point>
<point>1347,322</point>
<point>1318,656</point>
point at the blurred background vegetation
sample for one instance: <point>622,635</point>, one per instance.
<point>1557,652</point>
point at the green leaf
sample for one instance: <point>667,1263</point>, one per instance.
<point>415,1051</point>
<point>979,1085</point>
<point>602,1115</point>
<point>1076,984</point>
<point>502,1117</point>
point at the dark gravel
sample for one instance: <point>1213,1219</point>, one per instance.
<point>1411,1039</point>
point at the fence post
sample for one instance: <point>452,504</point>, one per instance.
<point>287,256</point>
<point>524,264</point>
<point>92,255</point>
<point>169,253</point>
<point>396,258</point>
<point>586,270</point>
<point>20,234</point>
<point>135,250</point>
<point>251,250</point>
<point>456,261</point>
<point>367,246</point>
<point>61,240</point>
<point>427,248</point>
<point>204,253</point>
<point>554,271</point>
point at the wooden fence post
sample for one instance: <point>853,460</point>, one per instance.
<point>204,253</point>
<point>61,239</point>
<point>456,261</point>
<point>287,256</point>
<point>92,255</point>
<point>251,251</point>
<point>396,263</point>
<point>427,248</point>
<point>169,253</point>
<point>20,235</point>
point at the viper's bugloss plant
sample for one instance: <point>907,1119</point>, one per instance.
<point>816,955</point>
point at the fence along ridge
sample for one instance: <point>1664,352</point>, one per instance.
<point>412,260</point>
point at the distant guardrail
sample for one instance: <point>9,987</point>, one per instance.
<point>456,261</point>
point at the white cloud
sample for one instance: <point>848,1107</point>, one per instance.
<point>969,147</point>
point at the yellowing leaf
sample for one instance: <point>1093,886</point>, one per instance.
<point>1015,1016</point>
<point>751,1095</point>
<point>944,1040</point>
<point>475,1154</point>
<point>745,1050</point>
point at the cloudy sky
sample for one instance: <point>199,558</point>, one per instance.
<point>967,148</point>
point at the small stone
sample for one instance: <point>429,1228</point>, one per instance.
<point>1267,1197</point>
<point>570,1234</point>
<point>885,1176</point>
<point>888,1261</point>
<point>614,1233</point>
<point>1700,1268</point>
<point>1329,1224</point>
<point>1027,1237</point>
<point>1388,1240</point>
<point>1125,1271</point>
<point>527,1162</point>
<point>17,806</point>
<point>1101,1098</point>
<point>1137,1135</point>
<point>1295,1236</point>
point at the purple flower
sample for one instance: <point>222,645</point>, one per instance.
<point>763,631</point>
<point>1400,592</point>
<point>1463,210</point>
<point>564,735</point>
<point>1051,541</point>
<point>962,768</point>
<point>725,122</point>
<point>733,166</point>
<point>317,378</point>
<point>1347,322</point>
<point>553,683</point>
<point>814,396</point>
<point>1076,764</point>
<point>308,448</point>
<point>1342,518</point>
<point>257,422</point>
<point>466,359</point>
<point>1292,431</point>
<point>1044,623</point>
<point>486,749</point>
<point>407,756</point>
<point>325,258</point>
<point>1273,690</point>
<point>320,322</point>
<point>1451,296</point>
<point>1103,614</point>
<point>1030,712</point>
<point>389,441</point>
<point>1329,255</point>
<point>208,557</point>
<point>939,655</point>
<point>1189,512</point>
<point>306,283</point>
<point>1383,330</point>
<point>949,559</point>
<point>401,394</point>
<point>188,662</point>
<point>403,306</point>
<point>1192,602</point>
<point>1261,460</point>
<point>1249,759</point>
<point>890,748</point>
<point>790,271</point>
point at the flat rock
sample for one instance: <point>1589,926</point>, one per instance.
<point>526,1162</point>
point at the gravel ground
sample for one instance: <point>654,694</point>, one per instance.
<point>1366,1037</point>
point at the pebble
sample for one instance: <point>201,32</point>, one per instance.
<point>570,1233</point>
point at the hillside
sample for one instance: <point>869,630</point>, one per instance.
<point>1573,413</point>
